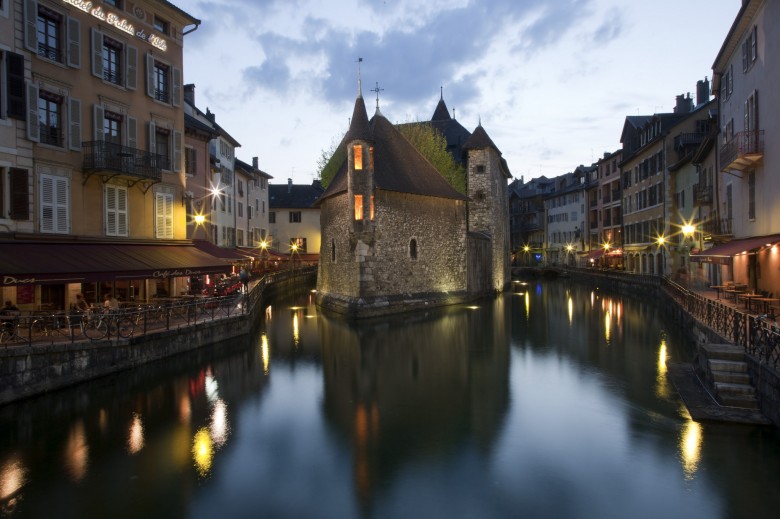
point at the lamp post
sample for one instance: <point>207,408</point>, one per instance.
<point>687,231</point>
<point>293,250</point>
<point>661,241</point>
<point>526,250</point>
<point>569,249</point>
<point>607,246</point>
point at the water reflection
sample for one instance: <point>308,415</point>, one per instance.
<point>662,384</point>
<point>135,437</point>
<point>77,451</point>
<point>12,479</point>
<point>690,448</point>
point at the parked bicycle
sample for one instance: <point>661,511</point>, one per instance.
<point>97,326</point>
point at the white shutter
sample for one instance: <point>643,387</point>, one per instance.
<point>132,133</point>
<point>177,167</point>
<point>150,75</point>
<point>61,210</point>
<point>98,116</point>
<point>176,97</point>
<point>116,211</point>
<point>74,43</point>
<point>74,123</point>
<point>33,124</point>
<point>163,221</point>
<point>31,25</point>
<point>131,71</point>
<point>47,203</point>
<point>97,53</point>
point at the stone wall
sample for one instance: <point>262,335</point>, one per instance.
<point>30,370</point>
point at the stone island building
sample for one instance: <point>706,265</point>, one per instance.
<point>397,236</point>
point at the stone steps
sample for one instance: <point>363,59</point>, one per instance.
<point>729,371</point>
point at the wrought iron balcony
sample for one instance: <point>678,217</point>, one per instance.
<point>716,226</point>
<point>743,152</point>
<point>703,194</point>
<point>118,160</point>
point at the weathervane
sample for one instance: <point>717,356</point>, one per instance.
<point>377,90</point>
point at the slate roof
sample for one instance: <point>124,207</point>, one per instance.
<point>359,126</point>
<point>481,140</point>
<point>398,166</point>
<point>294,196</point>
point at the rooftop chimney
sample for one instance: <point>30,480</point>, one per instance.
<point>684,104</point>
<point>289,185</point>
<point>189,93</point>
<point>210,115</point>
<point>702,91</point>
<point>254,162</point>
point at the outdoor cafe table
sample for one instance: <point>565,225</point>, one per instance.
<point>718,288</point>
<point>733,293</point>
<point>748,298</point>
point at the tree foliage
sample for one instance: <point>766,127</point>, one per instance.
<point>424,137</point>
<point>433,146</point>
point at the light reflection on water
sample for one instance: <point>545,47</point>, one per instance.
<point>499,408</point>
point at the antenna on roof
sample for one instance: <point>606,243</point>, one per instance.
<point>377,90</point>
<point>453,112</point>
<point>441,92</point>
<point>360,88</point>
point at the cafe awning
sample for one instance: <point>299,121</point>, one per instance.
<point>724,253</point>
<point>231,255</point>
<point>32,263</point>
<point>594,254</point>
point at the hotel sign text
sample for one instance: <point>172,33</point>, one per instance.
<point>120,23</point>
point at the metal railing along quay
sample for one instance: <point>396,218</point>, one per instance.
<point>42,328</point>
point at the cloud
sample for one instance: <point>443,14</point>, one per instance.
<point>610,29</point>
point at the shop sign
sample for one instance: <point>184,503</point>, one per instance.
<point>175,273</point>
<point>120,23</point>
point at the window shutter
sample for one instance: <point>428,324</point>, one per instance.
<point>150,75</point>
<point>74,123</point>
<point>132,133</point>
<point>176,90</point>
<point>163,215</point>
<point>33,126</point>
<point>61,209</point>
<point>15,86</point>
<point>98,114</point>
<point>131,72</point>
<point>97,53</point>
<point>47,204</point>
<point>31,26</point>
<point>20,194</point>
<point>177,151</point>
<point>744,56</point>
<point>116,211</point>
<point>152,143</point>
<point>74,43</point>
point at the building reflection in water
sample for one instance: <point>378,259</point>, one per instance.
<point>662,384</point>
<point>135,437</point>
<point>265,353</point>
<point>416,385</point>
<point>570,304</point>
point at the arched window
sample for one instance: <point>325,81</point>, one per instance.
<point>333,250</point>
<point>413,248</point>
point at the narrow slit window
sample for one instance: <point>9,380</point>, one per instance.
<point>413,249</point>
<point>357,155</point>
<point>371,208</point>
<point>358,207</point>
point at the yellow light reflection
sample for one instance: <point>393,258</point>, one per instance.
<point>662,387</point>
<point>135,438</point>
<point>220,428</point>
<point>527,306</point>
<point>296,331</point>
<point>12,478</point>
<point>592,299</point>
<point>202,451</point>
<point>264,353</point>
<point>269,313</point>
<point>690,448</point>
<point>103,420</point>
<point>77,452</point>
<point>570,304</point>
<point>607,323</point>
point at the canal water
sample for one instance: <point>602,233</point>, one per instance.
<point>550,401</point>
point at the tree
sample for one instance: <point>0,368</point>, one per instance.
<point>331,160</point>
<point>433,146</point>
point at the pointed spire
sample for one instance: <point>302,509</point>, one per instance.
<point>441,93</point>
<point>441,113</point>
<point>360,87</point>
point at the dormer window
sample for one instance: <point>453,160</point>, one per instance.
<point>357,156</point>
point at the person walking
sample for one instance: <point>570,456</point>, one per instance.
<point>243,275</point>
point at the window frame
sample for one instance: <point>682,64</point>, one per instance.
<point>295,217</point>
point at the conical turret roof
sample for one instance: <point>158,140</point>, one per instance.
<point>359,129</point>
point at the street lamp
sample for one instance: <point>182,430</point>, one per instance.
<point>569,249</point>
<point>526,250</point>
<point>607,246</point>
<point>661,241</point>
<point>687,231</point>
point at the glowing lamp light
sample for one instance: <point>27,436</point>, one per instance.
<point>687,230</point>
<point>199,219</point>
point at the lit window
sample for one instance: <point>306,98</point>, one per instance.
<point>371,159</point>
<point>358,207</point>
<point>371,209</point>
<point>357,155</point>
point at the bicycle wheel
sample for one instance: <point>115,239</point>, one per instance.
<point>95,329</point>
<point>125,327</point>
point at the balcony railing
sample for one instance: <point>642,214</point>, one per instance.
<point>108,156</point>
<point>703,194</point>
<point>51,135</point>
<point>717,226</point>
<point>743,152</point>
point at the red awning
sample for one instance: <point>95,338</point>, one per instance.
<point>32,263</point>
<point>724,253</point>
<point>227,254</point>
